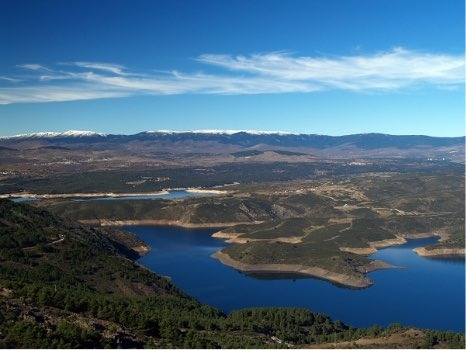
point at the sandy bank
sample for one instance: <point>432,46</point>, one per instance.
<point>348,281</point>
<point>197,190</point>
<point>387,242</point>
<point>241,240</point>
<point>374,246</point>
<point>149,222</point>
<point>82,195</point>
<point>231,237</point>
<point>359,251</point>
<point>234,237</point>
<point>107,194</point>
<point>439,252</point>
<point>226,235</point>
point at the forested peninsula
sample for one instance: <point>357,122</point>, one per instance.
<point>65,285</point>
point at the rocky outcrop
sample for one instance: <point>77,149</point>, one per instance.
<point>439,252</point>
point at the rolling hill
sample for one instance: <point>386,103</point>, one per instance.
<point>150,145</point>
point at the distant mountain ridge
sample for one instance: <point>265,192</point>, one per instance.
<point>49,134</point>
<point>231,141</point>
<point>234,136</point>
<point>200,131</point>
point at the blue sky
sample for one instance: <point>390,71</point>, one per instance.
<point>330,67</point>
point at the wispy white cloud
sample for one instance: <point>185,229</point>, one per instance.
<point>53,93</point>
<point>112,68</point>
<point>275,72</point>
<point>32,66</point>
<point>11,80</point>
<point>393,69</point>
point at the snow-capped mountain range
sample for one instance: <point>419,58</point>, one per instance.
<point>230,141</point>
<point>46,134</point>
<point>87,133</point>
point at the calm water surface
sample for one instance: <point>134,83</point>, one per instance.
<point>172,194</point>
<point>427,293</point>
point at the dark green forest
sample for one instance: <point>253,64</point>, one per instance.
<point>65,285</point>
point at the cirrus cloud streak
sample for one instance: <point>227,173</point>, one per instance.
<point>267,73</point>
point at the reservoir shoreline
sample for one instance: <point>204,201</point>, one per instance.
<point>346,280</point>
<point>342,279</point>
<point>92,195</point>
<point>187,258</point>
<point>357,280</point>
